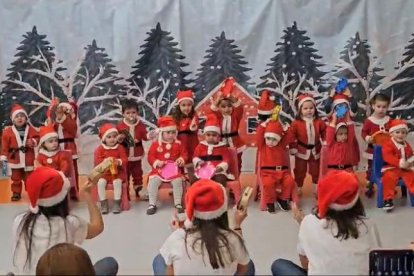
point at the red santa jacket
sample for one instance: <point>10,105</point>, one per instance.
<point>230,126</point>
<point>394,154</point>
<point>118,152</point>
<point>57,160</point>
<point>67,129</point>
<point>162,151</point>
<point>372,125</point>
<point>15,151</point>
<point>187,133</point>
<point>139,133</point>
<point>340,153</point>
<point>307,135</point>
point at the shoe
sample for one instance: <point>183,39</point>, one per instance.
<point>271,208</point>
<point>152,209</point>
<point>143,194</point>
<point>16,197</point>
<point>283,204</point>
<point>369,193</point>
<point>116,209</point>
<point>388,205</point>
<point>179,208</point>
<point>104,207</point>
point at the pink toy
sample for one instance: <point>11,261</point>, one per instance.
<point>169,171</point>
<point>206,171</point>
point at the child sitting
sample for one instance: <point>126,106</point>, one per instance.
<point>49,153</point>
<point>339,139</point>
<point>109,148</point>
<point>272,146</point>
<point>398,162</point>
<point>214,151</point>
<point>18,143</point>
<point>166,149</point>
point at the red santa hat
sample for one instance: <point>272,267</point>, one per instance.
<point>47,132</point>
<point>46,187</point>
<point>341,124</point>
<point>274,129</point>
<point>304,98</point>
<point>227,87</point>
<point>166,123</point>
<point>212,124</point>
<point>105,130</point>
<point>205,200</point>
<point>340,98</point>
<point>397,124</point>
<point>16,109</point>
<point>338,190</point>
<point>266,104</point>
<point>185,95</point>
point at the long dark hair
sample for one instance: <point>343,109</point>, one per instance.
<point>347,221</point>
<point>214,236</point>
<point>178,115</point>
<point>27,225</point>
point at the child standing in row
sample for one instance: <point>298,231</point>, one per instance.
<point>18,143</point>
<point>307,132</point>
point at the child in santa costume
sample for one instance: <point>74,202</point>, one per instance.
<point>213,151</point>
<point>272,144</point>
<point>307,132</point>
<point>340,138</point>
<point>50,154</point>
<point>398,162</point>
<point>168,149</point>
<point>187,121</point>
<point>18,143</point>
<point>109,148</point>
<point>377,122</point>
<point>132,132</point>
<point>67,128</point>
<point>229,111</point>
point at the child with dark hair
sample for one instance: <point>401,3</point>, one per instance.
<point>49,222</point>
<point>337,238</point>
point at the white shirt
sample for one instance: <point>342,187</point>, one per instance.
<point>174,252</point>
<point>76,231</point>
<point>328,255</point>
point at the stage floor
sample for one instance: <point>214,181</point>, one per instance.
<point>134,238</point>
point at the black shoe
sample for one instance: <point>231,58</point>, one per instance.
<point>179,208</point>
<point>152,209</point>
<point>283,204</point>
<point>271,208</point>
<point>16,197</point>
<point>388,205</point>
<point>137,189</point>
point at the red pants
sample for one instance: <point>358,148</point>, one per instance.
<point>135,170</point>
<point>302,166</point>
<point>17,178</point>
<point>273,179</point>
<point>390,179</point>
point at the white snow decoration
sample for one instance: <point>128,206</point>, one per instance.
<point>292,74</point>
<point>292,33</point>
<point>357,42</point>
<point>158,70</point>
<point>211,67</point>
<point>293,53</point>
<point>299,46</point>
<point>139,76</point>
<point>14,98</point>
<point>160,79</point>
<point>174,75</point>
<point>354,85</point>
<point>409,117</point>
<point>283,65</point>
<point>370,89</point>
<point>288,42</point>
<point>24,61</point>
<point>354,46</point>
<point>218,66</point>
<point>176,84</point>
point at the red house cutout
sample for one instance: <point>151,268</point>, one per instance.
<point>247,130</point>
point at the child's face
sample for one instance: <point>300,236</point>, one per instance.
<point>212,137</point>
<point>271,141</point>
<point>51,144</point>
<point>20,120</point>
<point>341,134</point>
<point>225,107</point>
<point>380,108</point>
<point>307,109</point>
<point>169,136</point>
<point>186,106</point>
<point>130,115</point>
<point>399,135</point>
<point>111,139</point>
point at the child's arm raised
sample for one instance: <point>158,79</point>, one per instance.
<point>95,225</point>
<point>260,130</point>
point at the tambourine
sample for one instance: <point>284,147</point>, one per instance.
<point>244,200</point>
<point>169,170</point>
<point>380,137</point>
<point>206,171</point>
<point>99,170</point>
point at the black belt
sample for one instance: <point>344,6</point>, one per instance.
<point>228,135</point>
<point>13,151</point>
<point>138,144</point>
<point>274,168</point>
<point>66,140</point>
<point>307,146</point>
<point>211,158</point>
<point>370,146</point>
<point>188,132</point>
<point>339,167</point>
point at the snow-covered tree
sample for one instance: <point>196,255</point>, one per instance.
<point>223,60</point>
<point>157,75</point>
<point>294,69</point>
<point>28,88</point>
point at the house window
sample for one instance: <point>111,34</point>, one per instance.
<point>251,125</point>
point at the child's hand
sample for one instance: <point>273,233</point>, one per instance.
<point>86,188</point>
<point>334,118</point>
<point>153,134</point>
<point>405,165</point>
<point>180,162</point>
<point>218,170</point>
<point>118,162</point>
<point>121,138</point>
<point>30,143</point>
<point>347,117</point>
<point>332,93</point>
<point>239,216</point>
<point>160,164</point>
<point>370,140</point>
